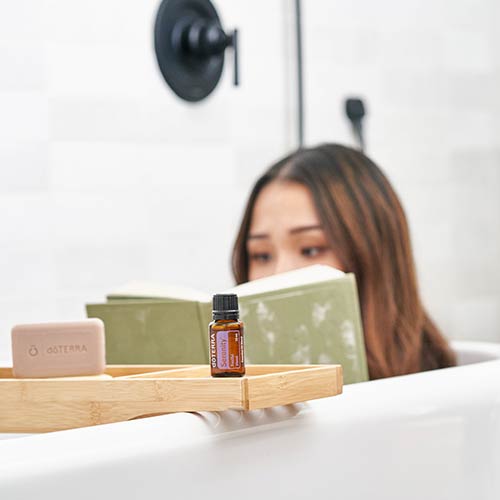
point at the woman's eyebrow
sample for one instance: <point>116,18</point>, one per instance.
<point>257,236</point>
<point>295,230</point>
<point>301,229</point>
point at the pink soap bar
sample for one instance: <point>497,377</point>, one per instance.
<point>59,349</point>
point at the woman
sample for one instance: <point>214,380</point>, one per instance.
<point>332,205</point>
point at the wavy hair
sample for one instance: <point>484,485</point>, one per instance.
<point>366,227</point>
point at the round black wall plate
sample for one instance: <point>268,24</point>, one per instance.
<point>191,76</point>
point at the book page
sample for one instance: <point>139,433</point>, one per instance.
<point>143,289</point>
<point>306,275</point>
<point>298,277</point>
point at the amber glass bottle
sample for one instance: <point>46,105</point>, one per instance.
<point>225,338</point>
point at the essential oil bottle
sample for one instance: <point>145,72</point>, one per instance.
<point>225,338</point>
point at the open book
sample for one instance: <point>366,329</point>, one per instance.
<point>307,316</point>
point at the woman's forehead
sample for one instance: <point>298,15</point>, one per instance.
<point>283,206</point>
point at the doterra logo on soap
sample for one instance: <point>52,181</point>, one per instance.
<point>66,349</point>
<point>33,351</point>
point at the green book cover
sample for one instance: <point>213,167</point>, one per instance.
<point>308,316</point>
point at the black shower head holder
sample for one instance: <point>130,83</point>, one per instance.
<point>355,112</point>
<point>190,46</point>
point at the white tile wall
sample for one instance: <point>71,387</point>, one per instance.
<point>429,71</point>
<point>106,176</point>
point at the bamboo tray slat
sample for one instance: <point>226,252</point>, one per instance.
<point>135,391</point>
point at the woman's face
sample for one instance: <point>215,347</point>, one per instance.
<point>285,232</point>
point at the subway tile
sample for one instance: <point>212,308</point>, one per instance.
<point>260,124</point>
<point>23,167</point>
<point>439,282</point>
<point>94,21</point>
<point>468,128</point>
<point>432,239</point>
<point>23,67</point>
<point>413,170</point>
<point>410,89</point>
<point>358,47</point>
<point>20,21</point>
<point>437,289</point>
<point>27,270</point>
<point>252,160</point>
<point>138,167</point>
<point>475,229</point>
<point>419,50</point>
<point>23,117</point>
<point>98,218</point>
<point>479,167</point>
<point>25,220</point>
<point>95,265</point>
<point>387,14</point>
<point>102,70</point>
<point>139,120</point>
<point>428,201</point>
<point>468,50</point>
<point>471,91</point>
<point>477,275</point>
<point>99,119</point>
<point>209,262</point>
<point>195,212</point>
<point>469,14</point>
<point>477,318</point>
<point>414,129</point>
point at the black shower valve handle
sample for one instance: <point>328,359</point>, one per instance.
<point>222,42</point>
<point>234,45</point>
<point>200,38</point>
<point>206,39</point>
<point>191,47</point>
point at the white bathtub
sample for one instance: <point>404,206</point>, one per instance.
<point>433,435</point>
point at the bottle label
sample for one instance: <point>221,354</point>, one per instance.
<point>228,348</point>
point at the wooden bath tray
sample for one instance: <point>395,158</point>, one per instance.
<point>45,405</point>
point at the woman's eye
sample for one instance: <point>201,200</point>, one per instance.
<point>260,257</point>
<point>312,251</point>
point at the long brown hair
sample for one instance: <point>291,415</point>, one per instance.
<point>366,227</point>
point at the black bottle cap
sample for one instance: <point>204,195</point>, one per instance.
<point>225,306</point>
